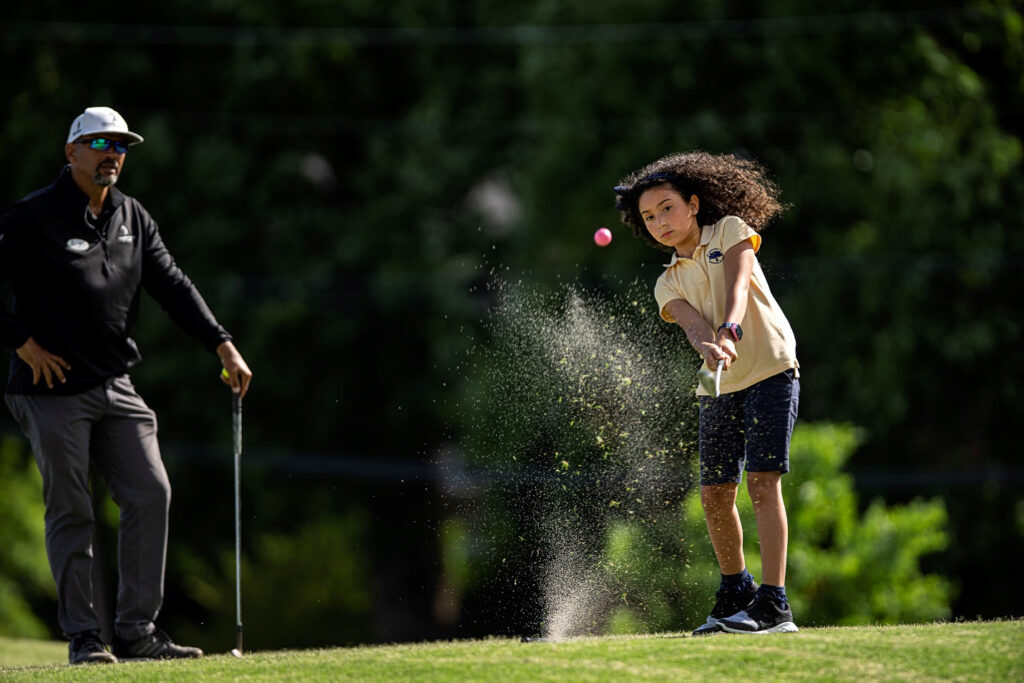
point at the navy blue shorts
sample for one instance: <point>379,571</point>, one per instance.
<point>752,425</point>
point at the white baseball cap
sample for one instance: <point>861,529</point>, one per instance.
<point>95,120</point>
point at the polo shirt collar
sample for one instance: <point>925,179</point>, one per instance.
<point>705,239</point>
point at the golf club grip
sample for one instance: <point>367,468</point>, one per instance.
<point>236,424</point>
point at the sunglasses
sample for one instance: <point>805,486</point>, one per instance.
<point>103,144</point>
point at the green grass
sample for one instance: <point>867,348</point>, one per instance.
<point>22,652</point>
<point>989,651</point>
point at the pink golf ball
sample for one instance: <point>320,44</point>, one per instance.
<point>603,237</point>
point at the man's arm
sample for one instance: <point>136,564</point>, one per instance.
<point>176,294</point>
<point>13,332</point>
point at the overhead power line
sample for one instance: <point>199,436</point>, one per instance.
<point>520,34</point>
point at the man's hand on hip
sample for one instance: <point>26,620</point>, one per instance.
<point>43,363</point>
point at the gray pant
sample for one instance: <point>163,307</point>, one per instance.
<point>112,428</point>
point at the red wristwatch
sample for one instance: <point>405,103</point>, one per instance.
<point>734,329</point>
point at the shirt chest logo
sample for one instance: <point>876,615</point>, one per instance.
<point>77,245</point>
<point>716,256</point>
<point>124,236</point>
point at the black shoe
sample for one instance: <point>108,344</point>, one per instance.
<point>157,645</point>
<point>87,648</point>
<point>763,615</point>
<point>727,603</point>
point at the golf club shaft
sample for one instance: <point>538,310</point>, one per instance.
<point>236,422</point>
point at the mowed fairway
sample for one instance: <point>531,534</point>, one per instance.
<point>988,651</point>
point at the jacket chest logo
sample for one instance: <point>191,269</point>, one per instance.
<point>77,245</point>
<point>124,236</point>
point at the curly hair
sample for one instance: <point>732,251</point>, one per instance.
<point>725,184</point>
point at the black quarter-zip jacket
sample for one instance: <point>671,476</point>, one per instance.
<point>76,286</point>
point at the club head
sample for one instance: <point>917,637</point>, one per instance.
<point>711,381</point>
<point>237,653</point>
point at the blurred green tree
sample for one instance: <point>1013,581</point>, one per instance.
<point>25,579</point>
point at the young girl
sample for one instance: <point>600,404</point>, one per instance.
<point>708,211</point>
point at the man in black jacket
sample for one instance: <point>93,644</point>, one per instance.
<point>78,254</point>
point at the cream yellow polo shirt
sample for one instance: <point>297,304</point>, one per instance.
<point>768,346</point>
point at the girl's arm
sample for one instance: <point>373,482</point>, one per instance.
<point>698,332</point>
<point>739,265</point>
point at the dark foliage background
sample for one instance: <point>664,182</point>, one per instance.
<point>342,180</point>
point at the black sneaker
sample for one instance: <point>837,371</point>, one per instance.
<point>763,615</point>
<point>87,648</point>
<point>727,603</point>
<point>157,645</point>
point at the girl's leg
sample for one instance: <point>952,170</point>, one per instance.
<point>721,469</point>
<point>769,610</point>
<point>723,519</point>
<point>770,413</point>
<point>765,489</point>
